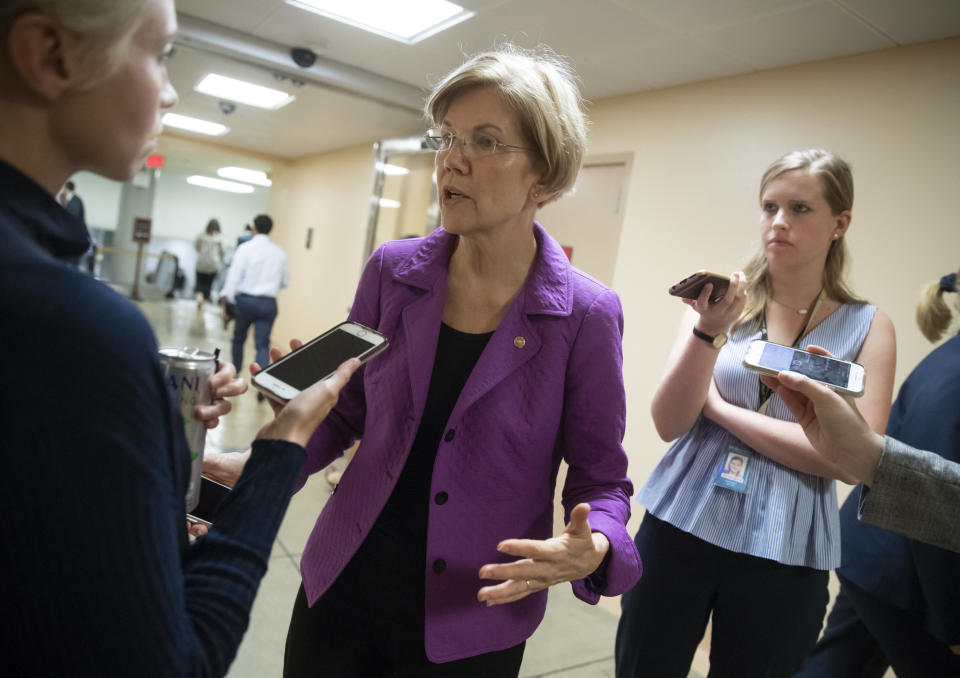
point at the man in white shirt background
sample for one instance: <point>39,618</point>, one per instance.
<point>257,273</point>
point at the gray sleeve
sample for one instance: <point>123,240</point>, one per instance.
<point>915,493</point>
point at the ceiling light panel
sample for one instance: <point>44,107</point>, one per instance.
<point>197,125</point>
<point>410,21</point>
<point>247,175</point>
<point>219,184</point>
<point>222,87</point>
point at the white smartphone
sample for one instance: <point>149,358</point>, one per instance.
<point>212,495</point>
<point>318,359</point>
<point>843,376</point>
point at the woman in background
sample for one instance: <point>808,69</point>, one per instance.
<point>754,555</point>
<point>209,246</point>
<point>899,600</point>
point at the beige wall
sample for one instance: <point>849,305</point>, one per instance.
<point>698,153</point>
<point>331,194</point>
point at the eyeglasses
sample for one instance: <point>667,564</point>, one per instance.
<point>477,145</point>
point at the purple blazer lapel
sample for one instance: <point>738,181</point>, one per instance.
<point>421,323</point>
<point>515,342</point>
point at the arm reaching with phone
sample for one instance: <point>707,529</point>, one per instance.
<point>909,491</point>
<point>784,442</point>
<point>683,388</point>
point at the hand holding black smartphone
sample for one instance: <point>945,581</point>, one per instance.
<point>690,287</point>
<point>212,495</point>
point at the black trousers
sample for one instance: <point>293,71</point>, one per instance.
<point>337,639</point>
<point>204,284</point>
<point>259,312</point>
<point>865,636</point>
<point>766,616</point>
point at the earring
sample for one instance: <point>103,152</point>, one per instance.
<point>836,235</point>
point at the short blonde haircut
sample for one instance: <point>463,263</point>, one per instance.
<point>933,314</point>
<point>541,88</point>
<point>836,179</point>
<point>102,27</point>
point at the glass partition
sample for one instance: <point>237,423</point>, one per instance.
<point>404,199</point>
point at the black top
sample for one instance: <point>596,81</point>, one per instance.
<point>389,567</point>
<point>99,577</point>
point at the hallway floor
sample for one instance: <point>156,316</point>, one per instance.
<point>574,641</point>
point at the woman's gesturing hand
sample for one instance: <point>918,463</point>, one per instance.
<point>542,563</point>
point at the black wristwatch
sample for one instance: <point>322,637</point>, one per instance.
<point>717,341</point>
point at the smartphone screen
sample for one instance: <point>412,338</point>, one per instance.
<point>819,367</point>
<point>318,359</point>
<point>212,495</point>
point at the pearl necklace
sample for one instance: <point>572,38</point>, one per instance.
<point>801,311</point>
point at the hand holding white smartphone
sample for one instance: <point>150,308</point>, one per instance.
<point>841,375</point>
<point>317,360</point>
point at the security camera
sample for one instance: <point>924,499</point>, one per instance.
<point>303,57</point>
<point>227,107</point>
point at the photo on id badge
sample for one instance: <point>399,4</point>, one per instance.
<point>733,471</point>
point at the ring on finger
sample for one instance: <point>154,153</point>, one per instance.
<point>529,587</point>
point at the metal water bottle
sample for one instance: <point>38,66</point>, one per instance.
<point>187,372</point>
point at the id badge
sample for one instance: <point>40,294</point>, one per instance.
<point>733,471</point>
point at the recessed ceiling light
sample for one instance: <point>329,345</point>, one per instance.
<point>387,202</point>
<point>222,87</point>
<point>243,174</point>
<point>409,21</point>
<point>392,170</point>
<point>219,184</point>
<point>194,124</point>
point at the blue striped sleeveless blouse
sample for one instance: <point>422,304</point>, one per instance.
<point>784,515</point>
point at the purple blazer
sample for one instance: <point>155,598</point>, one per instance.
<point>548,386</point>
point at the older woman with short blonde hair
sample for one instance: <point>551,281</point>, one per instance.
<point>434,555</point>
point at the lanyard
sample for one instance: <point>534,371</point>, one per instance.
<point>766,391</point>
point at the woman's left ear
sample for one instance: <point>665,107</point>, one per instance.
<point>842,224</point>
<point>539,195</point>
<point>38,50</point>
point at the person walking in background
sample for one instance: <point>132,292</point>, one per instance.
<point>74,206</point>
<point>245,235</point>
<point>209,246</point>
<point>745,552</point>
<point>899,599</point>
<point>257,273</point>
<point>72,202</point>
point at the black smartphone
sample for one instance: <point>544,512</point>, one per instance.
<point>689,287</point>
<point>317,360</point>
<point>212,495</point>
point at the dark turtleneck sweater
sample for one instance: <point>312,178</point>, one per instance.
<point>99,577</point>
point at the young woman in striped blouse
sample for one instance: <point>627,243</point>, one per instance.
<point>753,554</point>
